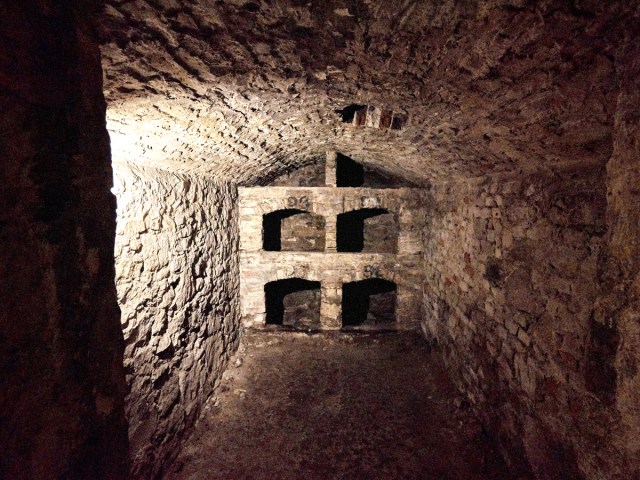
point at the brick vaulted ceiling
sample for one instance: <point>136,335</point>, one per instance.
<point>245,90</point>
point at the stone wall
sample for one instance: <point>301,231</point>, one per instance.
<point>303,232</point>
<point>177,281</point>
<point>330,268</point>
<point>61,376</point>
<point>511,276</point>
<point>616,319</point>
<point>546,344</point>
<point>308,176</point>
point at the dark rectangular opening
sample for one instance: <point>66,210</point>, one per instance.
<point>372,230</point>
<point>349,173</point>
<point>369,303</point>
<point>293,302</point>
<point>293,230</point>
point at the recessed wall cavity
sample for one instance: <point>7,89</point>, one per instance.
<point>349,173</point>
<point>383,225</point>
<point>367,230</point>
<point>369,303</point>
<point>348,113</point>
<point>345,172</point>
<point>293,302</point>
<point>177,281</point>
<point>293,230</point>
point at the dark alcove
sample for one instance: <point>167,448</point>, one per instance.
<point>293,302</point>
<point>369,303</point>
<point>372,230</point>
<point>349,173</point>
<point>293,230</point>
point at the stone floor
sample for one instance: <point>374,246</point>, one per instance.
<point>336,406</point>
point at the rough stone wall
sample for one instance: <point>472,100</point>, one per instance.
<point>303,232</point>
<point>307,176</point>
<point>511,276</point>
<point>381,234</point>
<point>616,319</point>
<point>177,280</point>
<point>566,392</point>
<point>61,376</point>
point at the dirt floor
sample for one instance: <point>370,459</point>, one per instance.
<point>336,406</point>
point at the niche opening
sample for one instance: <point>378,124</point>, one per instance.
<point>293,302</point>
<point>293,230</point>
<point>349,173</point>
<point>369,303</point>
<point>372,230</point>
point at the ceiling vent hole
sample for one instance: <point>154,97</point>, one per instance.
<point>349,112</point>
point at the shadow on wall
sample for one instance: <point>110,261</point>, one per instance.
<point>372,230</point>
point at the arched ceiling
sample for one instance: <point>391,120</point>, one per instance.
<point>245,90</point>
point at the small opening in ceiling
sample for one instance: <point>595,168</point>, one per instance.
<point>399,121</point>
<point>493,272</point>
<point>386,117</point>
<point>348,113</point>
<point>251,7</point>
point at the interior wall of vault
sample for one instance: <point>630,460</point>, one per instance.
<point>530,287</point>
<point>512,269</point>
<point>61,378</point>
<point>177,280</point>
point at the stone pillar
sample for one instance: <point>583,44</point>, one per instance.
<point>330,231</point>
<point>407,304</point>
<point>331,306</point>
<point>250,221</point>
<point>409,231</point>
<point>251,233</point>
<point>253,308</point>
<point>330,169</point>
